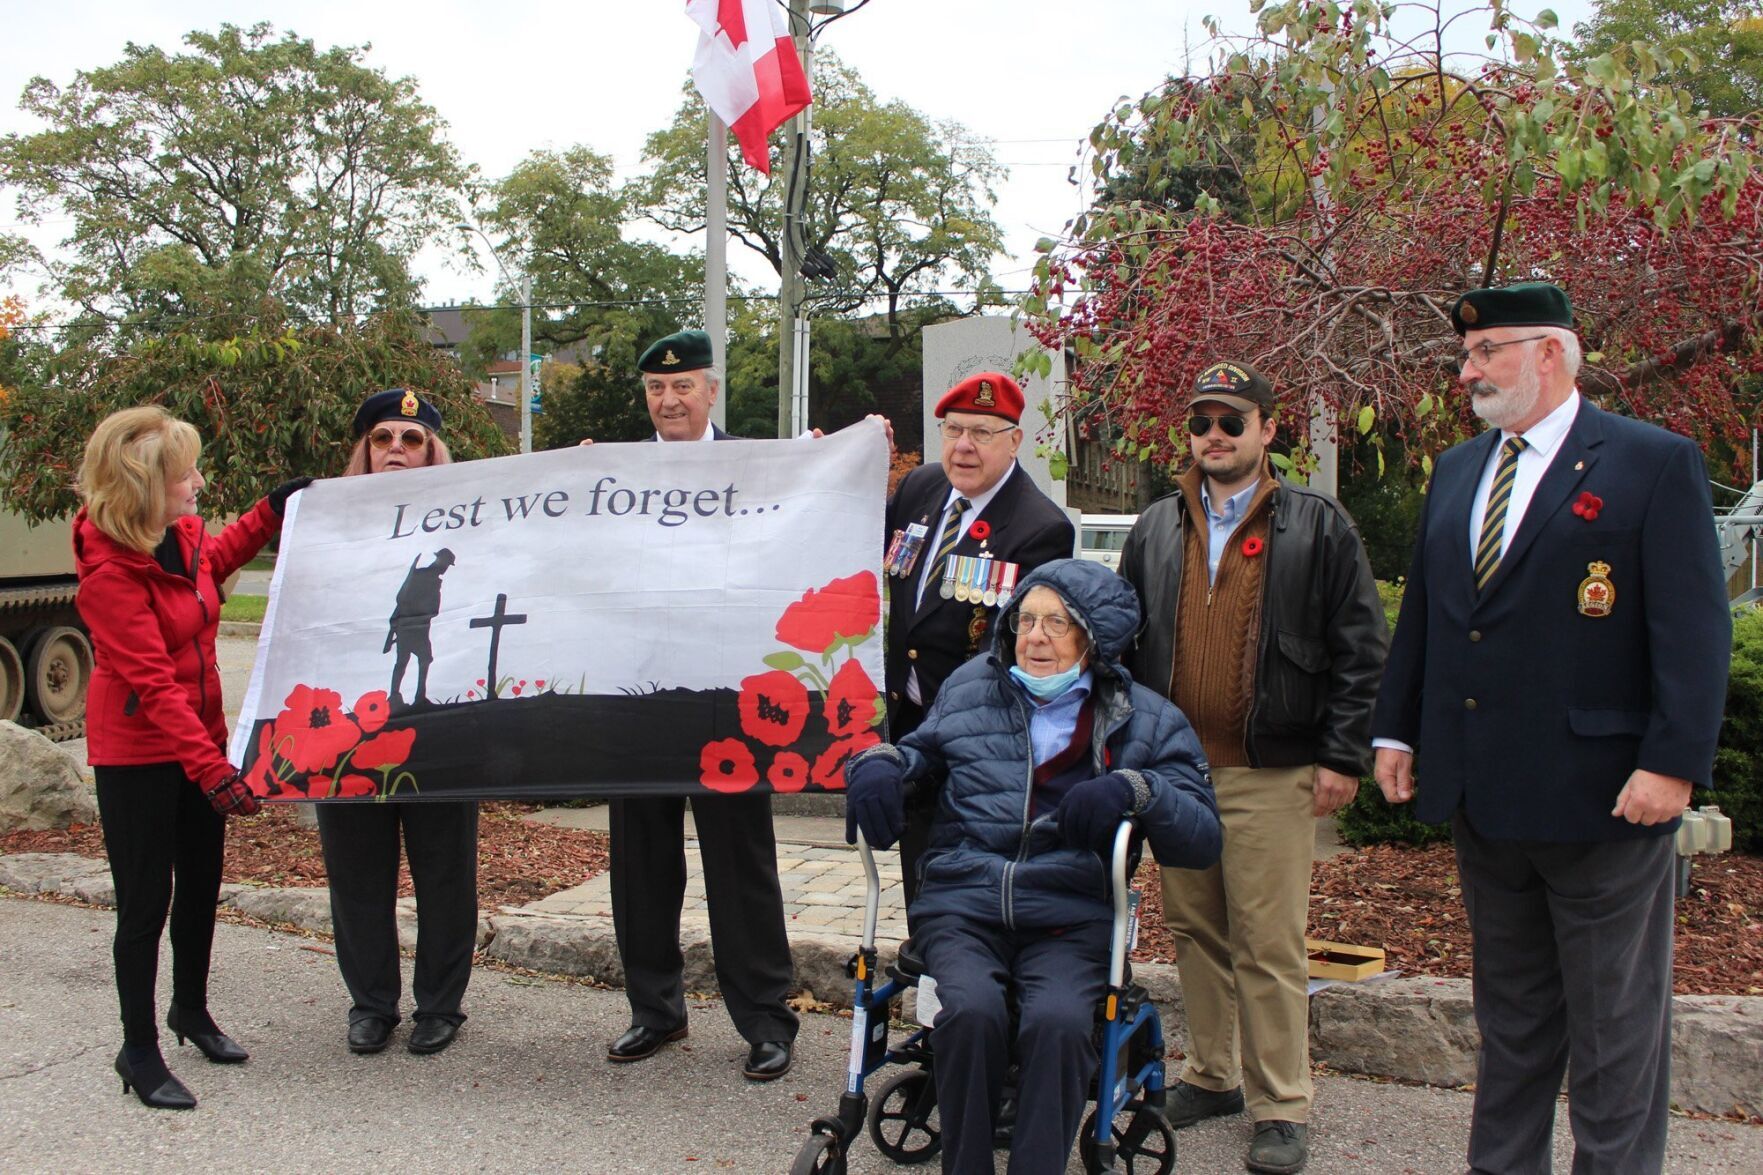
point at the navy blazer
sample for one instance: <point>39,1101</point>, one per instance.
<point>1522,710</point>
<point>936,635</point>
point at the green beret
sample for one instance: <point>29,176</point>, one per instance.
<point>687,350</point>
<point>1525,304</point>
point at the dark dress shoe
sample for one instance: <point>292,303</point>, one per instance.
<point>641,1041</point>
<point>369,1035</point>
<point>202,1032</point>
<point>431,1035</point>
<point>767,1061</point>
<point>153,1082</point>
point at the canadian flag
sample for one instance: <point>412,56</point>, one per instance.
<point>747,70</point>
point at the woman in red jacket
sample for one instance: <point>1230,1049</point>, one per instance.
<point>149,575</point>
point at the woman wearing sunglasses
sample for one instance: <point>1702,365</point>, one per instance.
<point>397,429</point>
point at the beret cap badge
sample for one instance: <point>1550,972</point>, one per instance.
<point>409,405</point>
<point>670,358</point>
<point>986,398</point>
<point>1468,313</point>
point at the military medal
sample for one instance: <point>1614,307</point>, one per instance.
<point>947,588</point>
<point>903,552</point>
<point>1007,586</point>
<point>981,571</point>
<point>1597,595</point>
<point>990,596</point>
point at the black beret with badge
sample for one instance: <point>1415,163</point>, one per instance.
<point>686,350</point>
<point>396,404</point>
<point>1524,304</point>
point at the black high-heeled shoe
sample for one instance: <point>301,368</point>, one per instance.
<point>153,1083</point>
<point>214,1044</point>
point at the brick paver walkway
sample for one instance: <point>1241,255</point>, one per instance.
<point>823,890</point>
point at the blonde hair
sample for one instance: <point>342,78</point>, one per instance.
<point>360,462</point>
<point>130,459</point>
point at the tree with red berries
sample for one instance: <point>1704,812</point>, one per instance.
<point>1371,170</point>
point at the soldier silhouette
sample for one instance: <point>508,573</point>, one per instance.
<point>419,602</point>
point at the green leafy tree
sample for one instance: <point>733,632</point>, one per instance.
<point>250,165</point>
<point>1724,38</point>
<point>899,202</point>
<point>272,398</point>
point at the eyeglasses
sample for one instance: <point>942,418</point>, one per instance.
<point>1200,424</point>
<point>1483,351</point>
<point>1053,627</point>
<point>382,438</point>
<point>981,436</point>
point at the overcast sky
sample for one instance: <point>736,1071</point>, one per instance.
<point>1032,76</point>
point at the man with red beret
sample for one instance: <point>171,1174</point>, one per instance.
<point>961,534</point>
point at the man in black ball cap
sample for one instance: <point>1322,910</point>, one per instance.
<point>735,836</point>
<point>1559,668</point>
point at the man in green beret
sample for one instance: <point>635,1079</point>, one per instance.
<point>1558,675</point>
<point>736,840</point>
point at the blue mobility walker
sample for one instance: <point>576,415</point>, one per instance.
<point>1131,1136</point>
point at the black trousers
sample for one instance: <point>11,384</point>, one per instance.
<point>921,807</point>
<point>361,859</point>
<point>747,935</point>
<point>1058,979</point>
<point>157,825</point>
<point>1572,974</point>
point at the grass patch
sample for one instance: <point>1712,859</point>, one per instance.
<point>261,563</point>
<point>247,609</point>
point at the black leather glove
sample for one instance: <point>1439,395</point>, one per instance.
<point>278,497</point>
<point>1092,810</point>
<point>875,800</point>
<point>230,797</point>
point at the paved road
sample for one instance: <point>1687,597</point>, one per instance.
<point>524,1088</point>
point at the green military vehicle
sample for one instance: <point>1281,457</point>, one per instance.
<point>45,656</point>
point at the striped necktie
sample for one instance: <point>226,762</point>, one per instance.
<point>1493,523</point>
<point>946,541</point>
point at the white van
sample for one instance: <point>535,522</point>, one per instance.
<point>1101,537</point>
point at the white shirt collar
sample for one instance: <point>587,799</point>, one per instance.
<point>978,502</point>
<point>1546,435</point>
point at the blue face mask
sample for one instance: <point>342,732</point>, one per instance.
<point>1047,688</point>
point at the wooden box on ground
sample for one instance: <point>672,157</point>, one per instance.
<point>1339,960</point>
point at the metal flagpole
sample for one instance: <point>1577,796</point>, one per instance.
<point>716,261</point>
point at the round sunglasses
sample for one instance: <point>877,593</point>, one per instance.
<point>382,438</point>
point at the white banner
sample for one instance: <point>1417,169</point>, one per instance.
<point>614,619</point>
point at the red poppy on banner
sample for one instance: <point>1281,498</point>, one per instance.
<point>852,702</point>
<point>843,609</point>
<point>774,707</point>
<point>314,729</point>
<point>727,765</point>
<point>787,773</point>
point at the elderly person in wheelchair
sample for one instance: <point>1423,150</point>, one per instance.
<point>1040,748</point>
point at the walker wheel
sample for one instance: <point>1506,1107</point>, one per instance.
<point>820,1155</point>
<point>903,1121</point>
<point>1145,1146</point>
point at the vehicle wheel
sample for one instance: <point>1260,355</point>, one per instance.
<point>820,1155</point>
<point>11,682</point>
<point>1144,1144</point>
<point>903,1121</point>
<point>57,672</point>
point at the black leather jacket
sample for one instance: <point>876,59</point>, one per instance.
<point>1323,635</point>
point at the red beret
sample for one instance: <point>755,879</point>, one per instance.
<point>990,393</point>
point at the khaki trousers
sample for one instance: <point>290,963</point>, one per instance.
<point>1239,942</point>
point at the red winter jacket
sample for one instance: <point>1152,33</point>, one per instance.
<point>155,693</point>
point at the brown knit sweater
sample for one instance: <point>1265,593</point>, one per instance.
<point>1217,626</point>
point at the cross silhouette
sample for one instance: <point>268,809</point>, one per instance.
<point>495,622</point>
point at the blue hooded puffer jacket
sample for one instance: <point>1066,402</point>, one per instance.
<point>986,859</point>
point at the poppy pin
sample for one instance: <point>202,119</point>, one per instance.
<point>981,530</point>
<point>1587,506</point>
<point>1253,547</point>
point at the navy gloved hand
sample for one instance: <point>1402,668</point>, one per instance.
<point>1093,809</point>
<point>875,800</point>
<point>230,797</point>
<point>278,497</point>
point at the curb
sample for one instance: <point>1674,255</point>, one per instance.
<point>250,628</point>
<point>1417,1029</point>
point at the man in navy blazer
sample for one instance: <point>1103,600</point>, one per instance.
<point>1559,667</point>
<point>736,840</point>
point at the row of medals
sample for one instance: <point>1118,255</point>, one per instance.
<point>978,579</point>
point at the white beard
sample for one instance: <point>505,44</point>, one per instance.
<point>1504,407</point>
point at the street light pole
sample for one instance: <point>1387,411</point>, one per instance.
<point>526,362</point>
<point>526,334</point>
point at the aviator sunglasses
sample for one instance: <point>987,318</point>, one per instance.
<point>382,438</point>
<point>1199,424</point>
